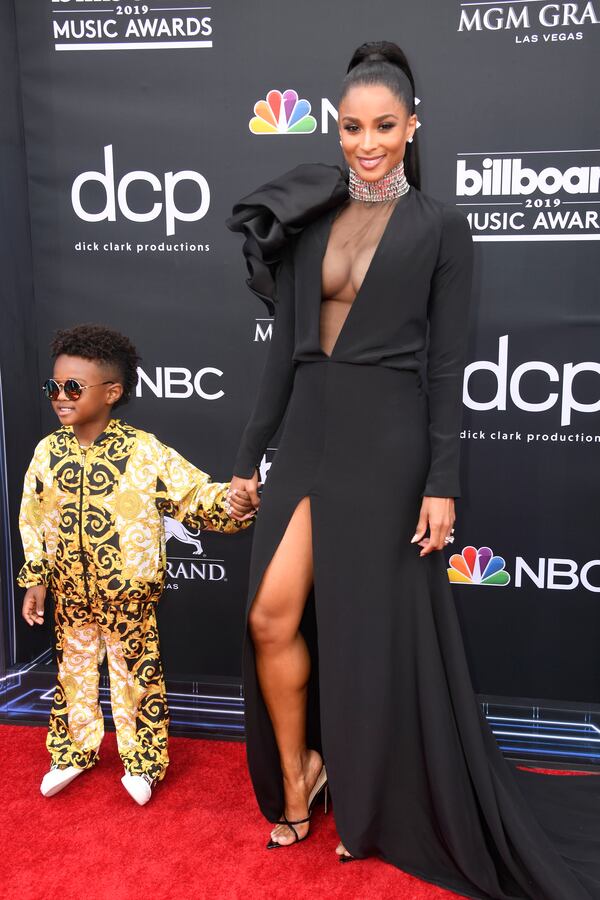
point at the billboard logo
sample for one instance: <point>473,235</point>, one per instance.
<point>474,566</point>
<point>128,26</point>
<point>549,195</point>
<point>505,177</point>
<point>282,113</point>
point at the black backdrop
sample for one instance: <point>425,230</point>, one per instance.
<point>153,102</point>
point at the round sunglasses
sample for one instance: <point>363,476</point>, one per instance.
<point>71,387</point>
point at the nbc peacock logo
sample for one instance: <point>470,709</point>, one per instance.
<point>282,113</point>
<point>474,566</point>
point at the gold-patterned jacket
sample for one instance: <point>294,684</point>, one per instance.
<point>92,519</point>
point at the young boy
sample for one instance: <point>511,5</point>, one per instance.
<point>91,521</point>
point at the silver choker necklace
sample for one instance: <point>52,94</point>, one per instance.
<point>390,187</point>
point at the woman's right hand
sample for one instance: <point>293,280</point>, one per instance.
<point>250,485</point>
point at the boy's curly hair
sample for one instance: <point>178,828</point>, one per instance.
<point>103,345</point>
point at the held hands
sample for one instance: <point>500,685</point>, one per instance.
<point>437,514</point>
<point>243,497</point>
<point>33,605</point>
<point>238,504</point>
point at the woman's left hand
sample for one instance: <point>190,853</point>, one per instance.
<point>238,504</point>
<point>437,514</point>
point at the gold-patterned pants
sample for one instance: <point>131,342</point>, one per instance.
<point>137,690</point>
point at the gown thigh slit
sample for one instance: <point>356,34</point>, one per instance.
<point>415,773</point>
<point>283,545</point>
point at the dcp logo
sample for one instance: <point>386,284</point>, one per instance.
<point>515,386</point>
<point>117,195</point>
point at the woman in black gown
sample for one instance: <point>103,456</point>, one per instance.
<point>364,278</point>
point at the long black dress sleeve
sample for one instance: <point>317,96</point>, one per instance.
<point>277,378</point>
<point>448,329</point>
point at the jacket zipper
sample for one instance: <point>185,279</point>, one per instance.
<point>81,548</point>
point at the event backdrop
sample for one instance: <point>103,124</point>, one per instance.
<point>144,123</point>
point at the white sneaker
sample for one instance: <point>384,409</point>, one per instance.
<point>139,787</point>
<point>57,779</point>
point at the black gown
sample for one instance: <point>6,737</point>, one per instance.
<point>415,773</point>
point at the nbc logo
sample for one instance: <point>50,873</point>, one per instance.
<point>474,566</point>
<point>480,566</point>
<point>282,113</point>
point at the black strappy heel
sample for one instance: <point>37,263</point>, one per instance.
<point>274,845</point>
<point>321,788</point>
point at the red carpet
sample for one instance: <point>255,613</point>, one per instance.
<point>200,837</point>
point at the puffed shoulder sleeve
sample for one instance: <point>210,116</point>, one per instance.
<point>277,378</point>
<point>276,212</point>
<point>448,312</point>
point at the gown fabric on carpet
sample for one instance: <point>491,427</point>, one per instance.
<point>415,773</point>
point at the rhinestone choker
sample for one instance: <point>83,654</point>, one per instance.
<point>390,187</point>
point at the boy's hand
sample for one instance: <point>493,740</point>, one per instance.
<point>239,505</point>
<point>33,605</point>
<point>243,498</point>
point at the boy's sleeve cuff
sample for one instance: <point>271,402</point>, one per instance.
<point>34,573</point>
<point>217,517</point>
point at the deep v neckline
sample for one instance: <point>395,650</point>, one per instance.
<point>330,220</point>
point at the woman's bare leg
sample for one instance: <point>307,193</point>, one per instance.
<point>283,662</point>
